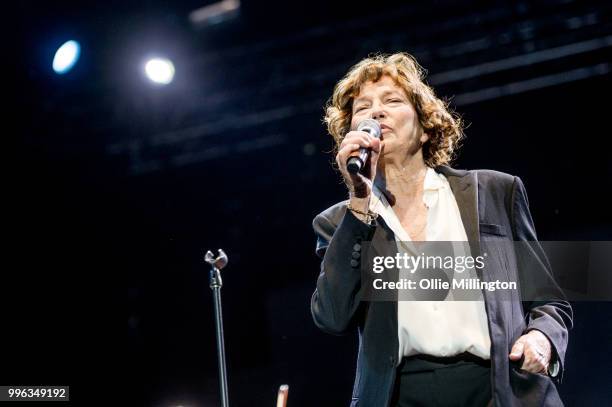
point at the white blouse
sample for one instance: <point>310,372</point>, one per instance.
<point>437,328</point>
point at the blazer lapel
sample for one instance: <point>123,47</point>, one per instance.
<point>464,185</point>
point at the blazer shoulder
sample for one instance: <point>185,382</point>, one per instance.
<point>497,183</point>
<point>492,176</point>
<point>485,176</point>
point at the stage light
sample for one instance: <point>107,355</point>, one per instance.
<point>66,56</point>
<point>160,70</point>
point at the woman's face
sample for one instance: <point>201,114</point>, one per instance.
<point>387,103</point>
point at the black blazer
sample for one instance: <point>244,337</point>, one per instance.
<point>494,208</point>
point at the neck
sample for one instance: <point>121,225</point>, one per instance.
<point>402,180</point>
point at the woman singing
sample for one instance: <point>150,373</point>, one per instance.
<point>430,353</point>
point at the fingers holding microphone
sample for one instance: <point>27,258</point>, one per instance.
<point>354,142</point>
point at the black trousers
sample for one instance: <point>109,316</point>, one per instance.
<point>427,381</point>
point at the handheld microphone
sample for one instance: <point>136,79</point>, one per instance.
<point>355,163</point>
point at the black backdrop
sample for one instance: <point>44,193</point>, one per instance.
<point>114,185</point>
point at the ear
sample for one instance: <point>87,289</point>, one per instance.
<point>424,138</point>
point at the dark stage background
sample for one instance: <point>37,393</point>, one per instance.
<point>115,187</point>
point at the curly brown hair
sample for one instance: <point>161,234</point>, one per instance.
<point>444,127</point>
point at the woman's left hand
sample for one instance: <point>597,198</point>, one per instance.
<point>536,349</point>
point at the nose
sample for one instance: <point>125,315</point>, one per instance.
<point>377,112</point>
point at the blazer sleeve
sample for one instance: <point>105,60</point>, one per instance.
<point>336,300</point>
<point>546,307</point>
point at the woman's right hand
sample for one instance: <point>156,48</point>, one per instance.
<point>360,184</point>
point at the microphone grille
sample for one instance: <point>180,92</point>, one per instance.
<point>370,126</point>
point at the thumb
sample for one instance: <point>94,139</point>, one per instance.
<point>517,351</point>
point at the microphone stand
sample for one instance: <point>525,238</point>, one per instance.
<point>215,284</point>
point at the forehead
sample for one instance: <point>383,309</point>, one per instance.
<point>383,85</point>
